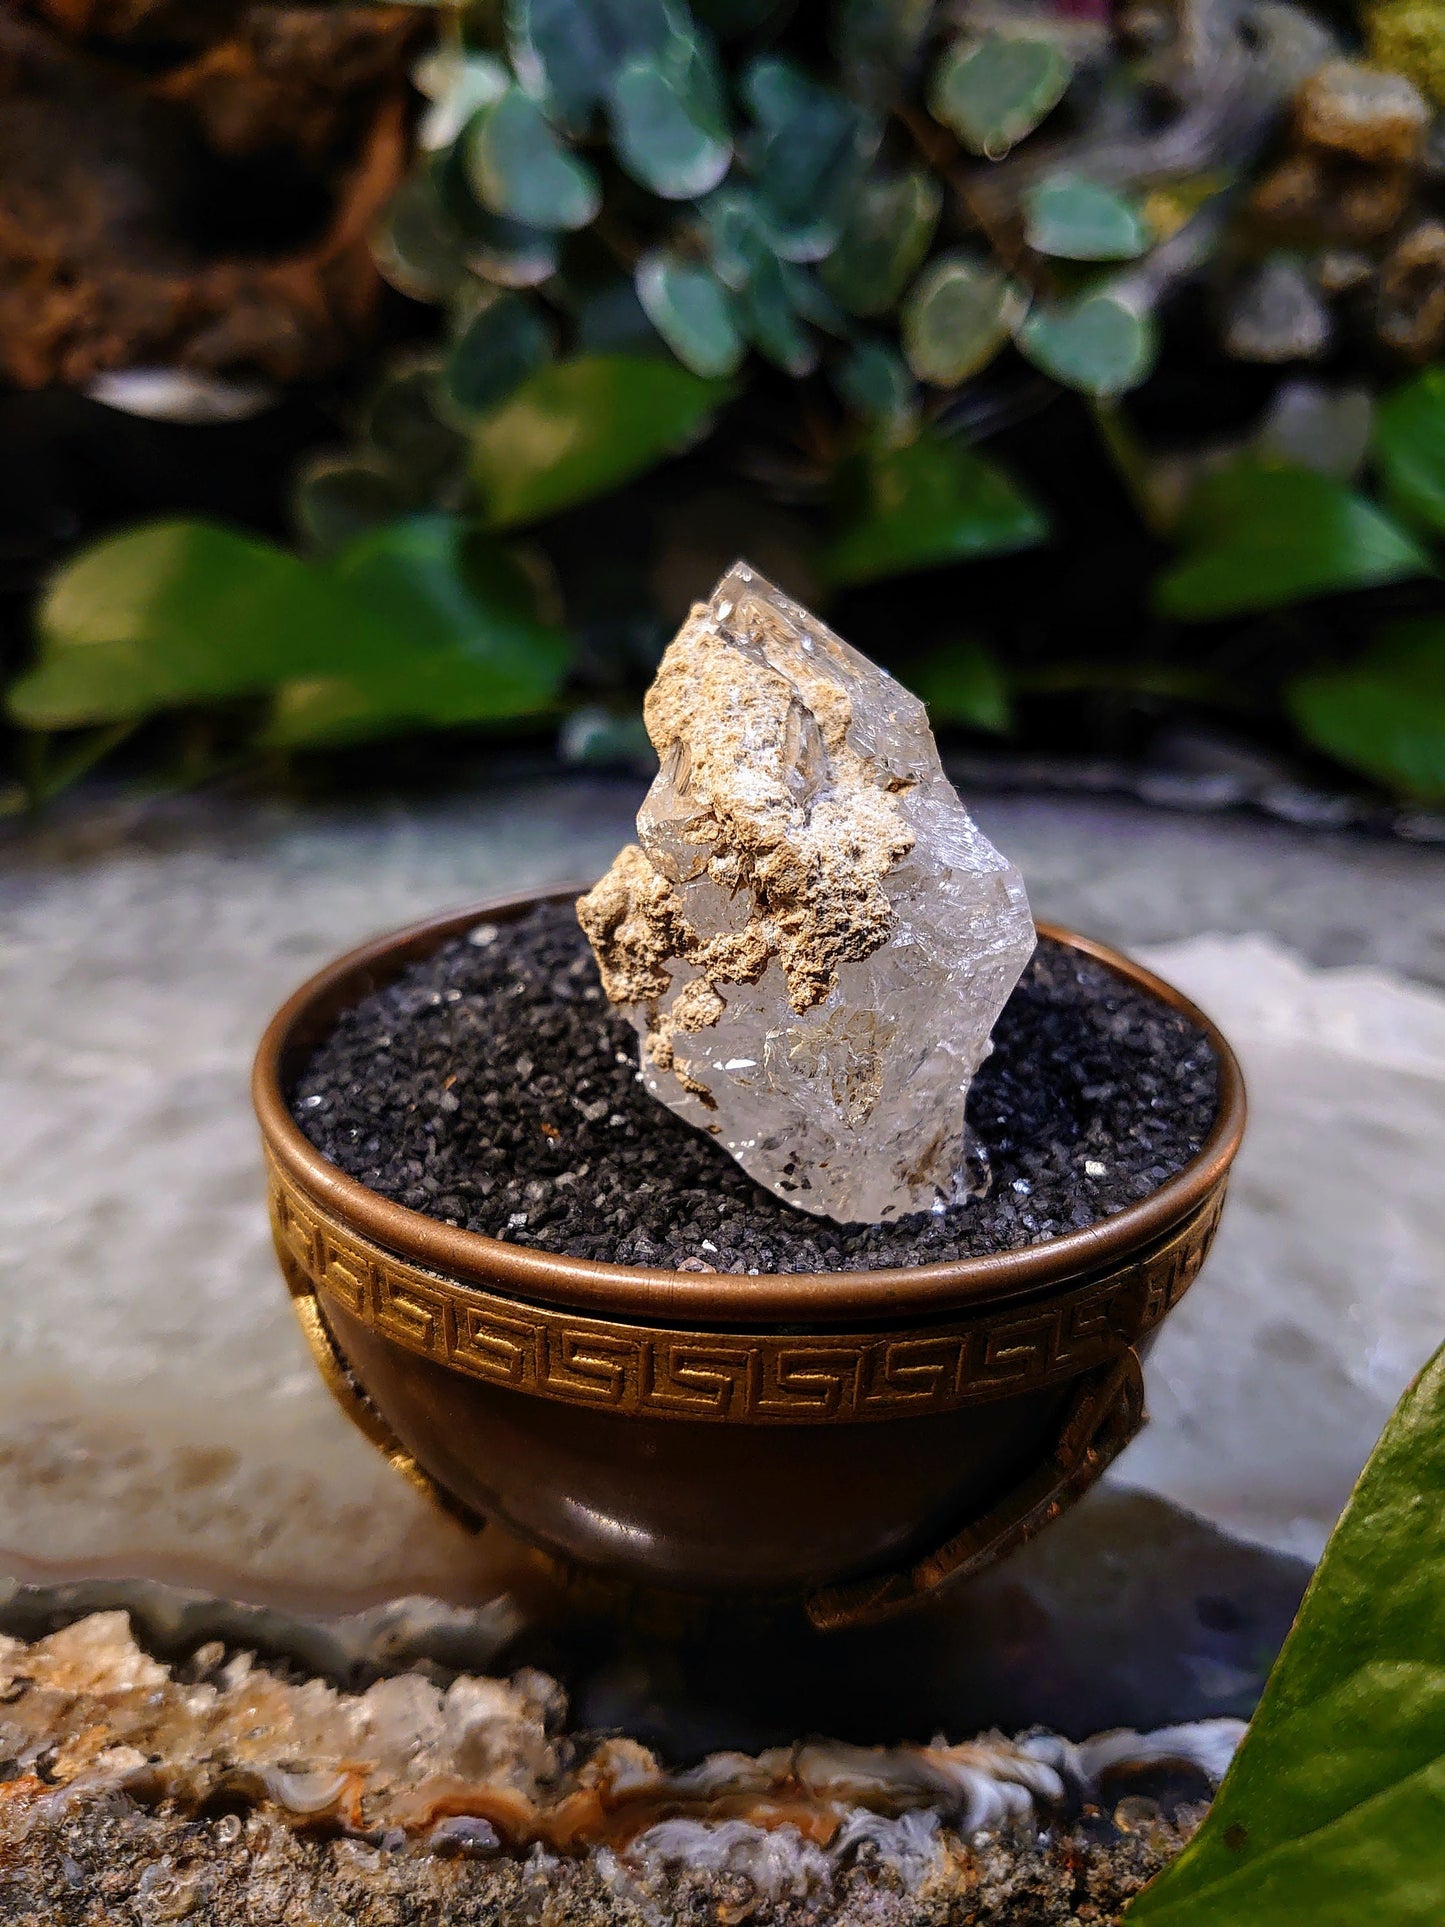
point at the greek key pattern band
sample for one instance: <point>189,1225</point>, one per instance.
<point>745,1377</point>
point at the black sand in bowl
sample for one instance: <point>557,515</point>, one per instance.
<point>493,1086</point>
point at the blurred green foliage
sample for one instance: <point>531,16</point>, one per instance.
<point>809,255</point>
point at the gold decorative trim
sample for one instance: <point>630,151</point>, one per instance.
<point>1106,1413</point>
<point>727,1377</point>
<point>341,1382</point>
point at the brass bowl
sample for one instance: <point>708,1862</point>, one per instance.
<point>851,1438</point>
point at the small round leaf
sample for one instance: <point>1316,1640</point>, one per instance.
<point>875,384</point>
<point>669,123</point>
<point>494,353</point>
<point>957,317</point>
<point>418,248</point>
<point>336,497</point>
<point>1099,344</point>
<point>994,91</point>
<point>884,241</point>
<point>519,169</point>
<point>1080,220</point>
<point>692,311</point>
<point>806,157</point>
<point>402,425</point>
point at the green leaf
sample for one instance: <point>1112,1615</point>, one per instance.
<point>1081,220</point>
<point>1409,448</point>
<point>502,343</point>
<point>812,301</point>
<point>471,646</point>
<point>1099,343</point>
<point>567,51</point>
<point>765,298</point>
<point>456,81</point>
<point>958,315</point>
<point>421,452</point>
<point>691,310</point>
<point>335,497</point>
<point>596,738</point>
<point>927,503</point>
<point>181,612</point>
<point>669,119</point>
<point>963,683</point>
<point>875,384</point>
<point>1334,1810</point>
<point>519,170</point>
<point>728,18</point>
<point>610,320</point>
<point>507,253</point>
<point>806,157</point>
<point>418,248</point>
<point>1385,713</point>
<point>1258,538</point>
<point>579,428</point>
<point>887,234</point>
<point>994,91</point>
<point>876,41</point>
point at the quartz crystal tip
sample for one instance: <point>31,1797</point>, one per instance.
<point>811,934</point>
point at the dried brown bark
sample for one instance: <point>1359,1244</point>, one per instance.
<point>191,184</point>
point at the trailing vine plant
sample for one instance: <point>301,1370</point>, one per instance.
<point>812,258</point>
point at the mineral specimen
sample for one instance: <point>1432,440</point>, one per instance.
<point>812,936</point>
<point>226,1795</point>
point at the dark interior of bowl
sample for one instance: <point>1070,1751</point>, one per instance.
<point>490,1085</point>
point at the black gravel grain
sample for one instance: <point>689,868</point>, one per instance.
<point>493,1086</point>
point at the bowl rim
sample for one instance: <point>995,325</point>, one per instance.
<point>693,1298</point>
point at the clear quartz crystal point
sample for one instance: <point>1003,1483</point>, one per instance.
<point>811,934</point>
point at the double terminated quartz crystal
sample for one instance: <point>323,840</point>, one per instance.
<point>813,938</point>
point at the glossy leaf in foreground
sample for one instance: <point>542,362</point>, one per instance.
<point>1409,449</point>
<point>1255,537</point>
<point>957,316</point>
<point>1082,220</point>
<point>182,612</point>
<point>1334,1810</point>
<point>994,91</point>
<point>929,502</point>
<point>1099,343</point>
<point>471,645</point>
<point>579,428</point>
<point>692,311</point>
<point>1383,714</point>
